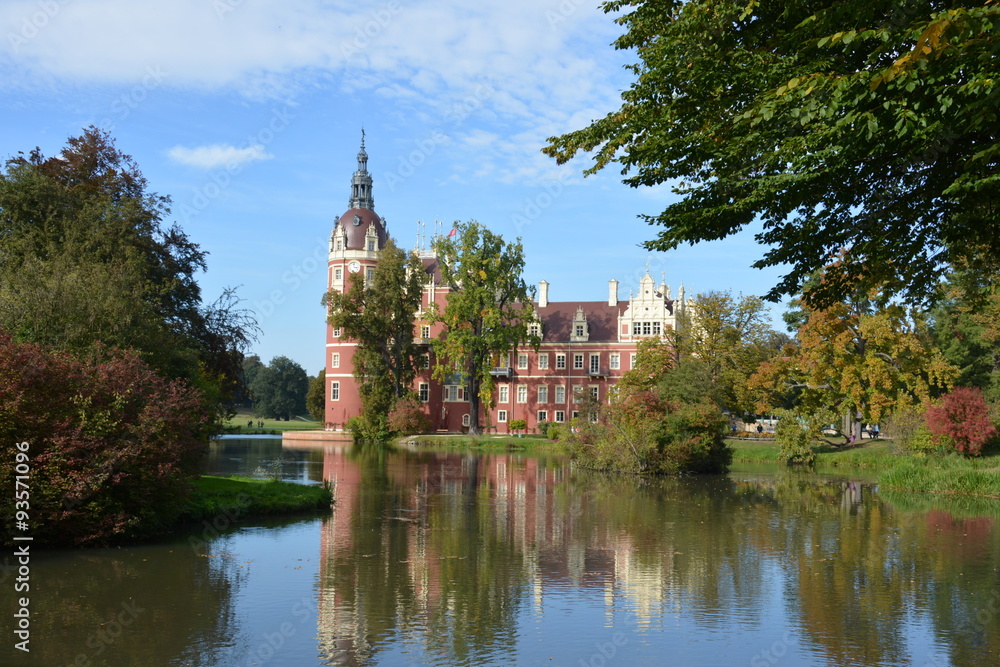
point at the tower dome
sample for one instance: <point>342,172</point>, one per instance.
<point>360,223</point>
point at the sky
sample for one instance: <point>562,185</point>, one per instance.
<point>248,114</point>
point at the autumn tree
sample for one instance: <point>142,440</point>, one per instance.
<point>488,311</point>
<point>864,131</point>
<point>961,419</point>
<point>85,256</point>
<point>859,358</point>
<point>378,315</point>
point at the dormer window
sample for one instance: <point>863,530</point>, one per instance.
<point>371,245</point>
<point>579,330</point>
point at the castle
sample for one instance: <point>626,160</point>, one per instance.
<point>586,346</point>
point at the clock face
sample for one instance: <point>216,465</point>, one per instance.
<point>354,266</point>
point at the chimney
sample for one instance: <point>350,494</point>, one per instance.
<point>612,292</point>
<point>543,294</point>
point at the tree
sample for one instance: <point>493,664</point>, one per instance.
<point>858,358</point>
<point>962,420</point>
<point>84,257</point>
<point>316,397</point>
<point>865,131</point>
<point>279,390</point>
<point>111,446</point>
<point>488,311</point>
<point>729,338</point>
<point>379,317</point>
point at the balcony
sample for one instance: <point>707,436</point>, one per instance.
<point>598,373</point>
<point>501,371</point>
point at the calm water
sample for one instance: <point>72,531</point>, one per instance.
<point>466,559</point>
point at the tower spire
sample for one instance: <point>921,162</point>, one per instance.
<point>361,182</point>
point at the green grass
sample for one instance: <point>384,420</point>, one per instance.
<point>950,474</point>
<point>494,442</point>
<point>244,497</point>
<point>238,425</point>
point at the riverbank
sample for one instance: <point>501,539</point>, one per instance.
<point>245,497</point>
<point>942,474</point>
<point>487,442</point>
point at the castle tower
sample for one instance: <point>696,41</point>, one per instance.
<point>357,237</point>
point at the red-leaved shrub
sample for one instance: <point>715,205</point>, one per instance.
<point>111,445</point>
<point>962,418</point>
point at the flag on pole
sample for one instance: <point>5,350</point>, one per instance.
<point>454,230</point>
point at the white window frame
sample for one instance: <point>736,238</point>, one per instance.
<point>631,361</point>
<point>560,416</point>
<point>336,332</point>
<point>578,361</point>
<point>465,419</point>
<point>543,393</point>
<point>370,273</point>
<point>560,361</point>
<point>560,393</point>
<point>503,394</point>
<point>501,416</point>
<point>543,361</point>
<point>335,360</point>
<point>543,415</point>
<point>338,274</point>
<point>522,361</point>
<point>615,362</point>
<point>424,392</point>
<point>335,390</point>
<point>595,362</point>
<point>425,331</point>
<point>522,393</point>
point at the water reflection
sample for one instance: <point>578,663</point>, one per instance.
<point>473,559</point>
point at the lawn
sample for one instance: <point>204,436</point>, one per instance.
<point>238,424</point>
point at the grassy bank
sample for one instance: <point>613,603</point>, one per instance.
<point>489,442</point>
<point>243,497</point>
<point>238,425</point>
<point>952,474</point>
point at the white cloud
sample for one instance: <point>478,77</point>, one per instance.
<point>218,155</point>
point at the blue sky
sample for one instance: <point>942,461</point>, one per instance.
<point>248,114</point>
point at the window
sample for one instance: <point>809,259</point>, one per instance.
<point>543,362</point>
<point>577,393</point>
<point>371,245</point>
<point>543,415</point>
<point>616,361</point>
<point>560,394</point>
<point>336,332</point>
<point>636,328</point>
<point>465,419</point>
<point>560,361</point>
<point>335,361</point>
<point>576,414</point>
<point>631,360</point>
<point>501,415</point>
<point>593,392</point>
<point>522,361</point>
<point>454,393</point>
<point>505,360</point>
<point>504,396</point>
<point>534,330</point>
<point>424,392</point>
<point>560,416</point>
<point>369,274</point>
<point>579,331</point>
<point>334,391</point>
<point>522,393</point>
<point>425,361</point>
<point>425,331</point>
<point>340,244</point>
<point>543,394</point>
<point>578,361</point>
<point>595,363</point>
<point>656,328</point>
<point>338,274</point>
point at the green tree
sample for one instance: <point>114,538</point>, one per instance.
<point>379,317</point>
<point>858,358</point>
<point>316,397</point>
<point>85,257</point>
<point>279,390</point>
<point>860,130</point>
<point>488,311</point>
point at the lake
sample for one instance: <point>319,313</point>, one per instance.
<point>465,558</point>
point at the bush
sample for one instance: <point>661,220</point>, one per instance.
<point>554,431</point>
<point>794,433</point>
<point>962,421</point>
<point>642,433</point>
<point>909,430</point>
<point>112,446</point>
<point>518,425</point>
<point>407,417</point>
